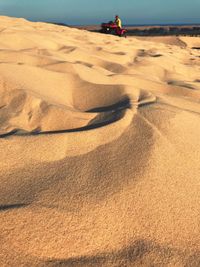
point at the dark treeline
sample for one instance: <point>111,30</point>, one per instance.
<point>160,31</point>
<point>149,30</point>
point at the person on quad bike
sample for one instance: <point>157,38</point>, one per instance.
<point>118,22</point>
<point>114,27</point>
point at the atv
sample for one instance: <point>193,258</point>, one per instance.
<point>112,28</point>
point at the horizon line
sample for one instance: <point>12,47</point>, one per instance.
<point>54,21</point>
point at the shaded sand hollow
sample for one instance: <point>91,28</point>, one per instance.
<point>99,148</point>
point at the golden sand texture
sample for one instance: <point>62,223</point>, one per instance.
<point>100,148</point>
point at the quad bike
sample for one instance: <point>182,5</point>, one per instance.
<point>112,28</point>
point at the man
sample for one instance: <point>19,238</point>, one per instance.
<point>118,21</point>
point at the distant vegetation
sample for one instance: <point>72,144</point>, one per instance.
<point>190,30</point>
<point>165,30</point>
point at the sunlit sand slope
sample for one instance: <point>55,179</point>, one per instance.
<point>100,148</point>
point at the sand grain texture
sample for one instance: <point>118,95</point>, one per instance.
<point>100,148</point>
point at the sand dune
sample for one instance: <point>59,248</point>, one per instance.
<point>100,147</point>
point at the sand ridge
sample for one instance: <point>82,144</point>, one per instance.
<point>99,162</point>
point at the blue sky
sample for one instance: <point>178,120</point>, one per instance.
<point>97,11</point>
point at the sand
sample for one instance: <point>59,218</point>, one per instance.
<point>99,147</point>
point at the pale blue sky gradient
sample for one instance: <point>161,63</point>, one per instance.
<point>96,11</point>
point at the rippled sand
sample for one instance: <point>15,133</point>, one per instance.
<point>99,147</point>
